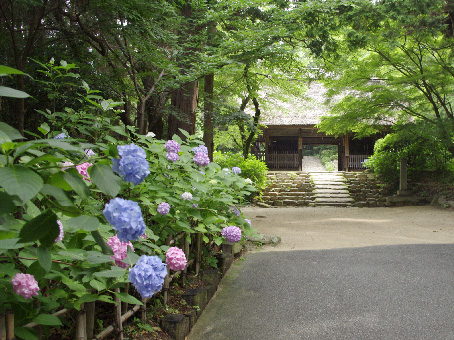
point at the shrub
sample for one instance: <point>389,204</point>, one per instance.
<point>250,167</point>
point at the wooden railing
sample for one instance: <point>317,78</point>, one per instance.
<point>356,161</point>
<point>282,160</point>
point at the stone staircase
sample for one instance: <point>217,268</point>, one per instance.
<point>293,188</point>
<point>298,188</point>
<point>330,189</point>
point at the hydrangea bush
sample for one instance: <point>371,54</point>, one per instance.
<point>69,231</point>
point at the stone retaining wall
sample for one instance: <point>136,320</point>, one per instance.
<point>366,189</point>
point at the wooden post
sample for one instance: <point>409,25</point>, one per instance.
<point>90,319</point>
<point>403,183</point>
<point>125,305</point>
<point>118,323</point>
<point>9,325</point>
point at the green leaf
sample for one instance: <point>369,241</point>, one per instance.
<point>12,93</point>
<point>11,132</point>
<point>105,179</point>
<point>77,184</point>
<point>76,254</point>
<point>6,203</point>
<point>44,258</point>
<point>26,333</point>
<point>10,243</point>
<point>125,297</point>
<point>98,285</point>
<point>59,194</point>
<point>212,219</point>
<point>95,257</point>
<point>47,319</point>
<point>20,181</point>
<point>43,228</point>
<point>88,298</point>
<point>9,70</point>
<point>36,270</point>
<point>84,222</point>
<point>114,272</point>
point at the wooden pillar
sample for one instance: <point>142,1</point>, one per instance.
<point>300,150</point>
<point>346,151</point>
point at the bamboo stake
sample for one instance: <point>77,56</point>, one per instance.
<point>124,305</point>
<point>118,323</point>
<point>10,325</point>
<point>186,252</point>
<point>90,319</point>
<point>143,316</point>
<point>2,327</point>
<point>81,325</point>
<point>198,258</point>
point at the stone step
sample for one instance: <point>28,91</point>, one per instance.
<point>335,195</point>
<point>333,200</point>
<point>332,204</point>
<point>330,191</point>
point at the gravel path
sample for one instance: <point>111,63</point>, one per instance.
<point>312,163</point>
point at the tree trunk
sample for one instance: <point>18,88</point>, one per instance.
<point>185,100</point>
<point>247,144</point>
<point>208,115</point>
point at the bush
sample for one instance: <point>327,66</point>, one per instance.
<point>250,168</point>
<point>427,157</point>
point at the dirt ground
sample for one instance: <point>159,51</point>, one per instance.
<point>331,227</point>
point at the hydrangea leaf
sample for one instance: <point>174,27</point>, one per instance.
<point>47,319</point>
<point>59,194</point>
<point>43,227</point>
<point>125,297</point>
<point>6,203</point>
<point>105,179</point>
<point>84,222</point>
<point>44,258</point>
<point>20,181</point>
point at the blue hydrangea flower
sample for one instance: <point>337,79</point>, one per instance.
<point>90,153</point>
<point>236,170</point>
<point>200,148</point>
<point>131,150</point>
<point>60,136</point>
<point>172,157</point>
<point>163,208</point>
<point>126,218</point>
<point>235,211</point>
<point>148,275</point>
<point>172,146</point>
<point>202,159</point>
<point>187,196</point>
<point>132,165</point>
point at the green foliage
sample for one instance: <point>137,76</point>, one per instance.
<point>426,155</point>
<point>250,167</point>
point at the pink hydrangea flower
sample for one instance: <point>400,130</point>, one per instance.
<point>176,259</point>
<point>83,169</point>
<point>62,233</point>
<point>120,250</point>
<point>231,234</point>
<point>25,285</point>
